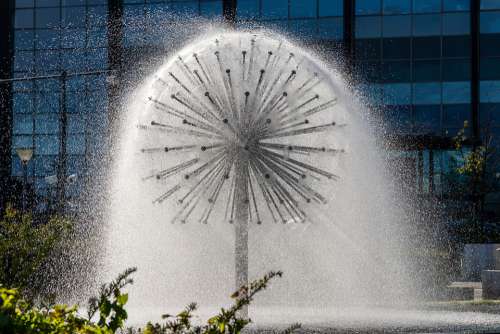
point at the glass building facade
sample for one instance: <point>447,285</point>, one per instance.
<point>426,65</point>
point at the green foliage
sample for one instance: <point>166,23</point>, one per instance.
<point>17,316</point>
<point>25,248</point>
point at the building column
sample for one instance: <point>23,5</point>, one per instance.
<point>115,58</point>
<point>348,45</point>
<point>229,12</point>
<point>6,65</point>
<point>474,77</point>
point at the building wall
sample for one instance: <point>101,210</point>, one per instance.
<point>412,58</point>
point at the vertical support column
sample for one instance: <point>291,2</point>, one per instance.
<point>63,134</point>
<point>348,38</point>
<point>431,171</point>
<point>229,12</point>
<point>115,57</point>
<point>6,62</point>
<point>474,77</point>
<point>241,226</point>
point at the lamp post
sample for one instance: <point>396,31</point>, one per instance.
<point>25,154</point>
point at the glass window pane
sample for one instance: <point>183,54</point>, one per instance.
<point>47,61</point>
<point>23,61</point>
<point>184,8</point>
<point>454,115</point>
<point>427,6</point>
<point>456,24</point>
<point>22,124</point>
<point>427,25</point>
<point>490,4</point>
<point>456,5</point>
<point>490,22</point>
<point>456,92</point>
<point>426,47</point>
<point>23,39</point>
<point>302,8</point>
<point>427,93</point>
<point>47,123</point>
<point>397,93</point>
<point>367,27</point>
<point>76,144</point>
<point>367,7</point>
<point>368,48</point>
<point>48,102</point>
<point>396,26</point>
<point>22,103</point>
<point>397,6</point>
<point>73,16</point>
<point>331,28</point>
<point>47,17</point>
<point>456,70</point>
<point>247,9</point>
<point>24,18</point>
<point>427,119</point>
<point>47,3</point>
<point>73,38</point>
<point>396,48</point>
<point>46,145</point>
<point>21,141</point>
<point>331,8</point>
<point>489,45</point>
<point>275,9</point>
<point>25,3</point>
<point>303,28</point>
<point>97,16</point>
<point>426,70</point>
<point>396,71</point>
<point>488,91</point>
<point>456,46</point>
<point>211,9</point>
<point>490,69</point>
<point>47,39</point>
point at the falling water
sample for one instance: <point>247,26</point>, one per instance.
<point>252,118</point>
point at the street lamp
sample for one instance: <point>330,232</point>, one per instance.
<point>25,154</point>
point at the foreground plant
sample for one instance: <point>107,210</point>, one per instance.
<point>106,313</point>
<point>226,322</point>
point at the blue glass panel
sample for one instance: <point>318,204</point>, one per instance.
<point>47,17</point>
<point>211,9</point>
<point>23,61</point>
<point>47,123</point>
<point>47,39</point>
<point>427,93</point>
<point>45,165</point>
<point>331,8</point>
<point>73,38</point>
<point>397,94</point>
<point>489,45</point>
<point>74,60</point>
<point>76,102</point>
<point>489,91</point>
<point>456,46</point>
<point>48,85</point>
<point>185,8</point>
<point>396,26</point>
<point>73,16</point>
<point>490,4</point>
<point>74,2</point>
<point>47,3</point>
<point>456,92</point>
<point>426,70</point>
<point>22,103</point>
<point>76,164</point>
<point>367,7</point>
<point>456,70</point>
<point>427,25</point>
<point>76,123</point>
<point>427,6</point>
<point>427,47</point>
<point>98,38</point>
<point>396,71</point>
<point>23,39</point>
<point>490,69</point>
<point>275,9</point>
<point>303,8</point>
<point>24,18</point>
<point>456,5</point>
<point>397,118</point>
<point>97,59</point>
<point>97,16</point>
<point>368,48</point>
<point>22,124</point>
<point>490,22</point>
<point>47,61</point>
<point>247,9</point>
<point>46,145</point>
<point>75,144</point>
<point>331,28</point>
<point>454,115</point>
<point>427,119</point>
<point>456,24</point>
<point>303,28</point>
<point>397,6</point>
<point>489,114</point>
<point>21,141</point>
<point>24,3</point>
<point>48,102</point>
<point>367,27</point>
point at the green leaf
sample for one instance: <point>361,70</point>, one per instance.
<point>122,299</point>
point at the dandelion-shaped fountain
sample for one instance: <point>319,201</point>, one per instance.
<point>237,115</point>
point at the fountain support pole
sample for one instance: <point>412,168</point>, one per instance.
<point>241,227</point>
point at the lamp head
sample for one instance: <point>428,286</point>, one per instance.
<point>25,154</point>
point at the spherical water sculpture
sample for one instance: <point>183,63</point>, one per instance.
<point>240,114</point>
